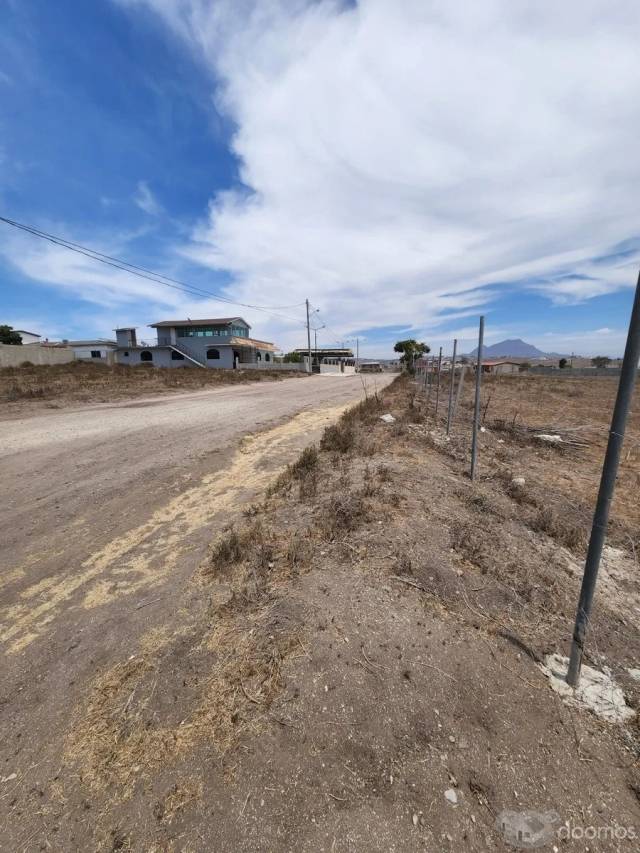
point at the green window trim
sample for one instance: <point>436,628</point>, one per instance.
<point>211,331</point>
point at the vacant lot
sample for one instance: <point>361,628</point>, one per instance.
<point>354,666</point>
<point>56,386</point>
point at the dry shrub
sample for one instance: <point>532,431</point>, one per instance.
<point>520,494</point>
<point>308,486</point>
<point>343,513</point>
<point>364,412</point>
<point>232,547</point>
<point>306,463</point>
<point>471,543</point>
<point>564,530</point>
<point>297,549</point>
<point>384,473</point>
<point>370,486</point>
<point>339,438</point>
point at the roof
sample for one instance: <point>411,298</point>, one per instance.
<point>329,351</point>
<point>492,362</point>
<point>24,332</point>
<point>250,342</point>
<point>94,343</point>
<point>212,321</point>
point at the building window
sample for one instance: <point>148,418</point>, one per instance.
<point>203,331</point>
<point>126,354</point>
<point>176,356</point>
<point>145,355</point>
<point>258,356</point>
<point>95,353</point>
<point>213,354</point>
<point>267,357</point>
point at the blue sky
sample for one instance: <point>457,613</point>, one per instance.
<point>406,168</point>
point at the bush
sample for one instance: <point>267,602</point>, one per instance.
<point>340,438</point>
<point>305,463</point>
<point>565,532</point>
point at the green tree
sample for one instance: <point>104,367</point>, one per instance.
<point>292,358</point>
<point>411,350</point>
<point>562,363</point>
<point>600,361</point>
<point>8,336</point>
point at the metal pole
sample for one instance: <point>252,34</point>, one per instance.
<point>430,385</point>
<point>605,492</point>
<point>438,382</point>
<point>357,353</point>
<point>459,391</point>
<point>310,367</point>
<point>452,382</point>
<point>476,408</point>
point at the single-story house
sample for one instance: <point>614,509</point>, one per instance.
<point>499,366</point>
<point>96,350</point>
<point>218,342</point>
<point>28,337</point>
<point>321,353</point>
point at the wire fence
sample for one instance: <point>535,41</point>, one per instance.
<point>433,375</point>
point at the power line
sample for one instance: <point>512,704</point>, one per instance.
<point>143,272</point>
<point>337,339</point>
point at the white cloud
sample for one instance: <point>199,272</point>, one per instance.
<point>400,155</point>
<point>146,200</point>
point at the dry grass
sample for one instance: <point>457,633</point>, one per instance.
<point>564,530</point>
<point>82,382</point>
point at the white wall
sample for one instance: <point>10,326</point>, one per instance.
<point>84,353</point>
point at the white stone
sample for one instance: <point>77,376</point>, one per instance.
<point>550,439</point>
<point>596,691</point>
<point>451,796</point>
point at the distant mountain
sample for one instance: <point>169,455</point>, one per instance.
<point>516,348</point>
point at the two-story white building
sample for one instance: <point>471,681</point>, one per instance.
<point>222,342</point>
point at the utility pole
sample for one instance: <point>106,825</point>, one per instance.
<point>357,353</point>
<point>310,367</point>
<point>476,408</point>
<point>605,492</point>
<point>452,382</point>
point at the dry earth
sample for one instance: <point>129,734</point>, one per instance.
<point>354,666</point>
<point>107,512</point>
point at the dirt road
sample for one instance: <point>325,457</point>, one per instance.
<point>107,512</point>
